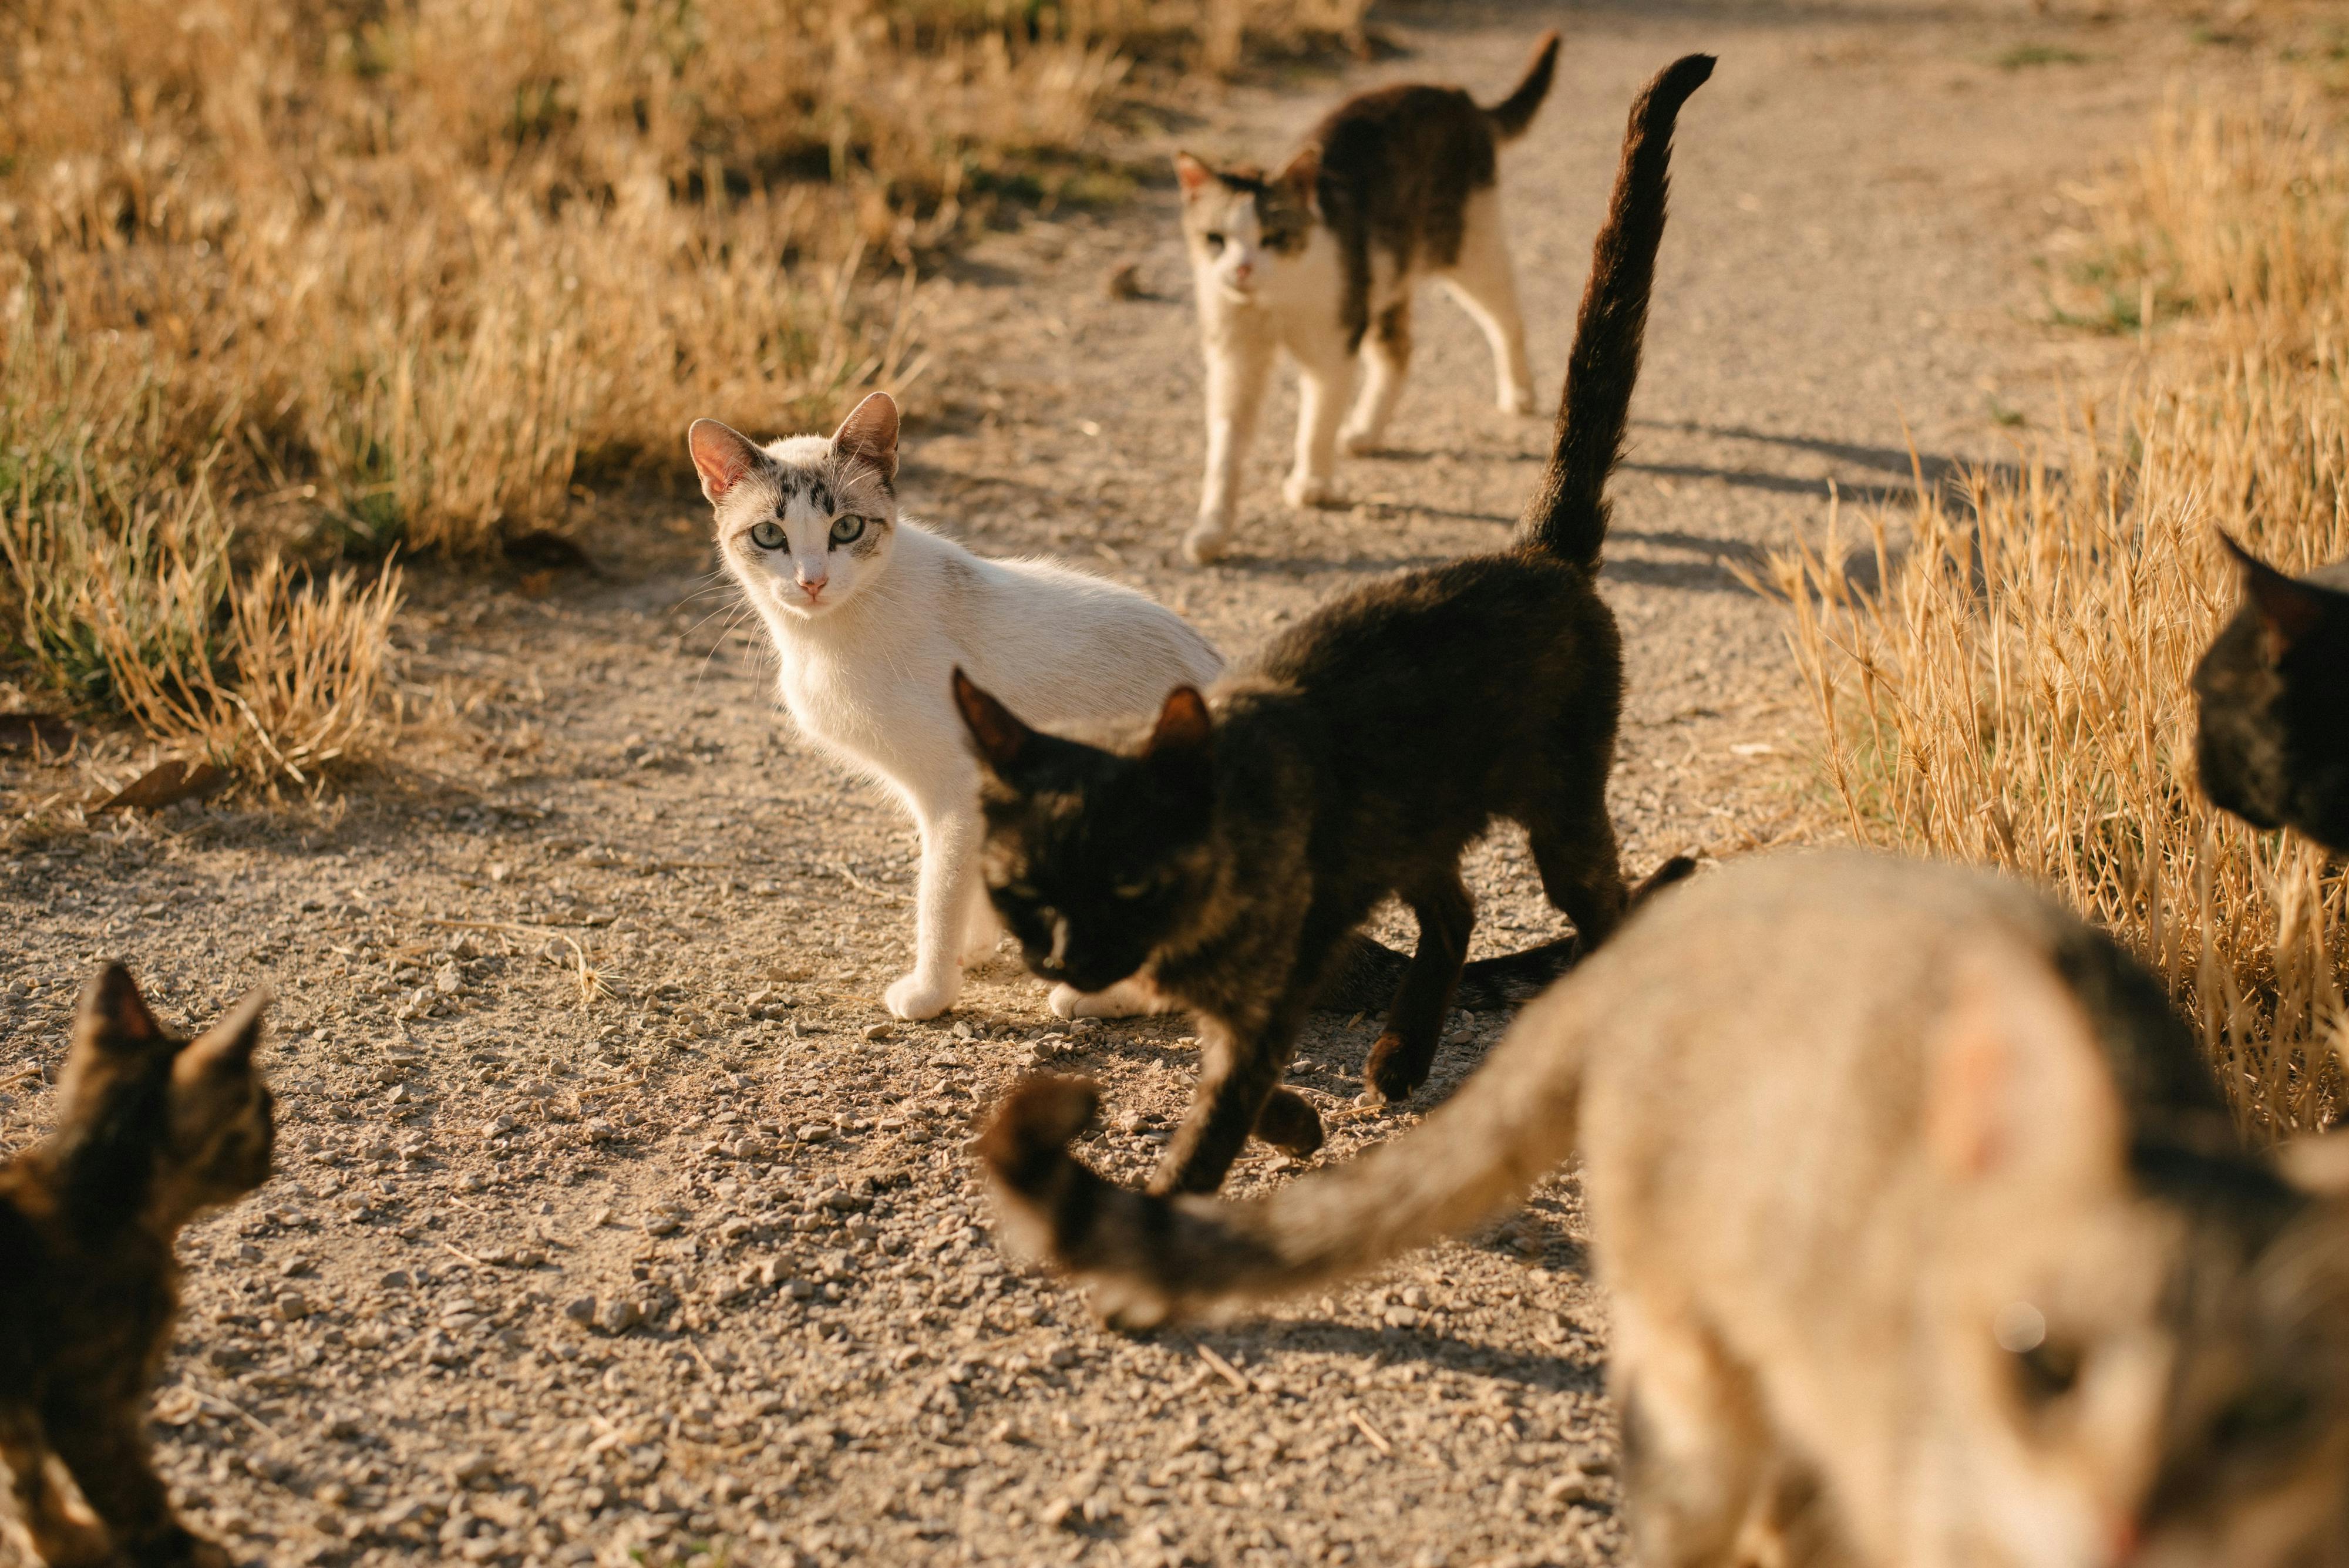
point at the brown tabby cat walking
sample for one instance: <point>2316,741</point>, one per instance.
<point>152,1131</point>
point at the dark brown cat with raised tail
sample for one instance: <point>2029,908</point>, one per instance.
<point>152,1131</point>
<point>2273,693</point>
<point>1232,852</point>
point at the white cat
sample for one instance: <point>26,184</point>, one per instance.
<point>1322,260</point>
<point>870,614</point>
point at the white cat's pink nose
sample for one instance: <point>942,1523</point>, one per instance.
<point>1243,272</point>
<point>811,586</point>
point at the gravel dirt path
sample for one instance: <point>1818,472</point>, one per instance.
<point>614,1220</point>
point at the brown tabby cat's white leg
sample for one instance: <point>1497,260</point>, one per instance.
<point>1386,355</point>
<point>1487,287</point>
<point>1326,373</point>
<point>1239,363</point>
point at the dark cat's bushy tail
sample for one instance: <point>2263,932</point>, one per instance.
<point>1513,113</point>
<point>1568,515</point>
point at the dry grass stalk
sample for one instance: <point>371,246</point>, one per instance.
<point>2015,692</point>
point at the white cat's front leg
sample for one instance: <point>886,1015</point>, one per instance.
<point>1239,365</point>
<point>1328,375</point>
<point>942,913</point>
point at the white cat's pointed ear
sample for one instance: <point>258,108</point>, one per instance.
<point>1193,174</point>
<point>1001,738</point>
<point>869,435</point>
<point>2018,1083</point>
<point>2288,609</point>
<point>721,455</point>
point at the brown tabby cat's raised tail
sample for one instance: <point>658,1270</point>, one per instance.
<point>1513,113</point>
<point>1568,515</point>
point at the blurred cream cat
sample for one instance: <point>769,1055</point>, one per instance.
<point>1929,1238</point>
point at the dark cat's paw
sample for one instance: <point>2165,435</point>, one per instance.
<point>1396,1067</point>
<point>1289,1124</point>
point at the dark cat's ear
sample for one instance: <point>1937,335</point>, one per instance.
<point>226,1048</point>
<point>1182,744</point>
<point>1001,738</point>
<point>869,435</point>
<point>1193,174</point>
<point>1183,724</point>
<point>1302,178</point>
<point>113,1015</point>
<point>721,455</point>
<point>2288,609</point>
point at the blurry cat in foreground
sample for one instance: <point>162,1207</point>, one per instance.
<point>1929,1238</point>
<point>152,1131</point>
<point>1322,260</point>
<point>2274,694</point>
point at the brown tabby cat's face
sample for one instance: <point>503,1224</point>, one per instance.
<point>192,1116</point>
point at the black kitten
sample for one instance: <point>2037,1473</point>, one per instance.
<point>2274,692</point>
<point>1233,851</point>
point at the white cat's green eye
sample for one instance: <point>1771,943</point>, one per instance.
<point>768,535</point>
<point>1131,889</point>
<point>847,530</point>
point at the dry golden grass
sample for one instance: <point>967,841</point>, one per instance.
<point>2017,691</point>
<point>345,277</point>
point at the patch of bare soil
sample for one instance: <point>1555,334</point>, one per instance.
<point>615,1220</point>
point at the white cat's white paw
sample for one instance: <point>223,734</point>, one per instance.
<point>1204,544</point>
<point>1361,442</point>
<point>1310,490</point>
<point>1517,400</point>
<point>919,995</point>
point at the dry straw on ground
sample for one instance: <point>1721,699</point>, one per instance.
<point>347,277</point>
<point>2015,692</point>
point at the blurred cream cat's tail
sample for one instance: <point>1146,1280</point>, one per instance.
<point>1152,1259</point>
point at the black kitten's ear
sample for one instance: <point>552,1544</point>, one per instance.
<point>1184,727</point>
<point>1001,738</point>
<point>721,455</point>
<point>114,1016</point>
<point>869,435</point>
<point>2288,609</point>
<point>1193,174</point>
<point>229,1043</point>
